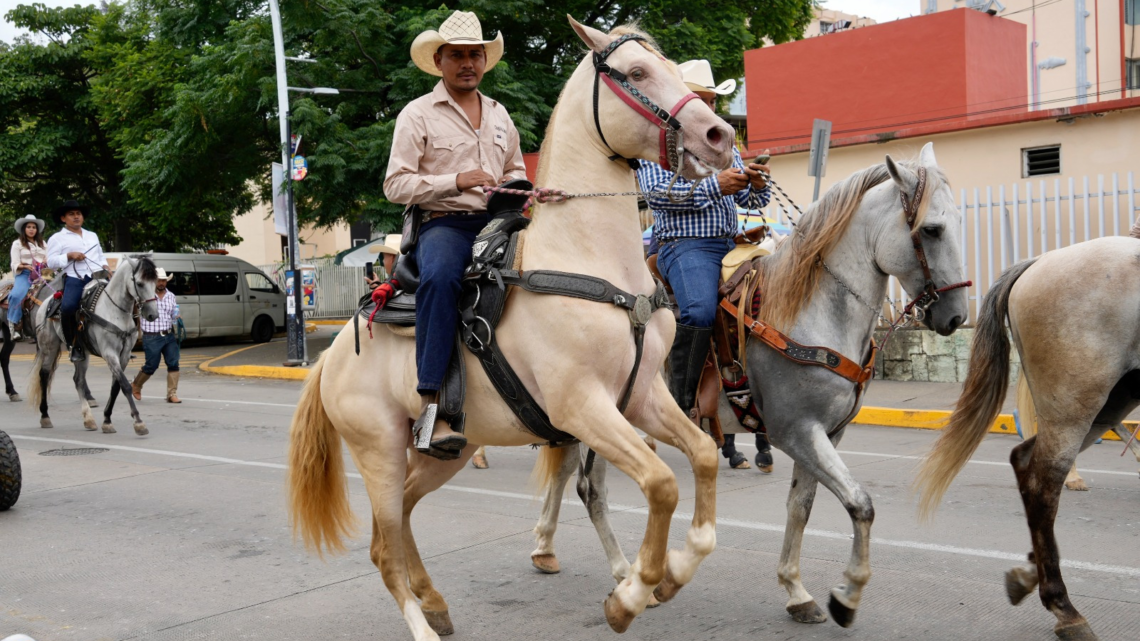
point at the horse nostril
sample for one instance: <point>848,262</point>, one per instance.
<point>715,136</point>
<point>956,322</point>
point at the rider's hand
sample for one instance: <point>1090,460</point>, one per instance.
<point>731,180</point>
<point>76,256</point>
<point>755,177</point>
<point>23,267</point>
<point>373,282</point>
<point>474,178</point>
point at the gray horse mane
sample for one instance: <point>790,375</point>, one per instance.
<point>791,275</point>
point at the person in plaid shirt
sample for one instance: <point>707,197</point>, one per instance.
<point>160,341</point>
<point>693,236</point>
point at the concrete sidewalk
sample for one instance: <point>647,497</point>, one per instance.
<point>918,405</point>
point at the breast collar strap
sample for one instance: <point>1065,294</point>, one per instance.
<point>672,138</point>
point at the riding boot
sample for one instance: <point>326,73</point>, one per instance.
<point>136,386</point>
<point>433,435</point>
<point>172,387</point>
<point>686,360</point>
<point>71,336</point>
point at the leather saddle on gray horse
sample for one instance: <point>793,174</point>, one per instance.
<point>483,297</point>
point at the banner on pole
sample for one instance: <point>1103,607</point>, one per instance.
<point>280,213</point>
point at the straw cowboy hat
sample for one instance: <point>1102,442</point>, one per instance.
<point>70,205</point>
<point>462,28</point>
<point>698,76</point>
<point>391,245</point>
<point>162,275</point>
<point>21,222</point>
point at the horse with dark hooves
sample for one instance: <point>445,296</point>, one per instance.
<point>1062,307</point>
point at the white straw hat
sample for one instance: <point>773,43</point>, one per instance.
<point>22,222</point>
<point>391,245</point>
<point>162,275</point>
<point>698,76</point>
<point>461,28</point>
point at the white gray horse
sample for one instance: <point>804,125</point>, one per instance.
<point>111,331</point>
<point>816,288</point>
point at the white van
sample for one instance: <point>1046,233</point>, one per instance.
<point>220,295</point>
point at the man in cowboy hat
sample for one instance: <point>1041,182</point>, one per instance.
<point>390,250</point>
<point>693,236</point>
<point>447,145</point>
<point>159,341</point>
<point>77,253</point>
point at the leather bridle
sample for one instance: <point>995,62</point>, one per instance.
<point>910,207</point>
<point>672,135</point>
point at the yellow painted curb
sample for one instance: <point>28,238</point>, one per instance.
<point>337,323</point>
<point>253,371</point>
<point>937,419</point>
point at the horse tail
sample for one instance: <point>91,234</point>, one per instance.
<point>1026,409</point>
<point>38,389</point>
<point>318,493</point>
<point>546,468</point>
<point>981,399</point>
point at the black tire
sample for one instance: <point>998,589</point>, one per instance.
<point>262,331</point>
<point>10,477</point>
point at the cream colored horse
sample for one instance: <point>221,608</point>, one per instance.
<point>574,356</point>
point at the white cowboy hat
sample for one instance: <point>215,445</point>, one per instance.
<point>698,76</point>
<point>391,245</point>
<point>162,275</point>
<point>461,28</point>
<point>21,222</point>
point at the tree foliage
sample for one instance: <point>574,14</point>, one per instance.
<point>163,113</point>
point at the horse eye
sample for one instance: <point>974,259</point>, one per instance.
<point>637,74</point>
<point>933,231</point>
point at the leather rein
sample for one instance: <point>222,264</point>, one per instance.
<point>672,133</point>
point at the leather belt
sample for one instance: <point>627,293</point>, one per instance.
<point>432,215</point>
<point>169,331</point>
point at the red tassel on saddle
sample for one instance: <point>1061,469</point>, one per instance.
<point>58,294</point>
<point>380,296</point>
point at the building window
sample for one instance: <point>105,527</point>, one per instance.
<point>1040,161</point>
<point>1132,11</point>
<point>1133,66</point>
<point>825,27</point>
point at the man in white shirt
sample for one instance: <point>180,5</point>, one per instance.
<point>76,253</point>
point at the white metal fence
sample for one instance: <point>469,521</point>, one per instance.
<point>1006,224</point>
<point>339,288</point>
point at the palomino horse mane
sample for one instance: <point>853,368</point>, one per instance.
<point>792,273</point>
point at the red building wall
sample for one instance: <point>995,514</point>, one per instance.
<point>932,68</point>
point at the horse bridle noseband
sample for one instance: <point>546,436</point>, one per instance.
<point>910,209</point>
<point>672,134</point>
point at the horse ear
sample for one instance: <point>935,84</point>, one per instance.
<point>594,39</point>
<point>902,176</point>
<point>926,156</point>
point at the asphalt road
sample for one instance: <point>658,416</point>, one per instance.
<point>183,535</point>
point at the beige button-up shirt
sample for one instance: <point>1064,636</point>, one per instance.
<point>434,142</point>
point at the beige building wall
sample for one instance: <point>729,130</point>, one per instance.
<point>261,245</point>
<point>830,17</point>
<point>1054,27</point>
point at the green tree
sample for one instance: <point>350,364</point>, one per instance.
<point>172,106</point>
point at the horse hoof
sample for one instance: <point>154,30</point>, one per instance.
<point>479,462</point>
<point>617,615</point>
<point>807,612</point>
<point>765,469</point>
<point>1015,587</point>
<point>89,425</point>
<point>14,397</point>
<point>1077,485</point>
<point>45,422</point>
<point>1075,632</point>
<point>546,563</point>
<point>653,602</point>
<point>842,614</point>
<point>108,428</point>
<point>440,622</point>
<point>140,429</point>
<point>668,588</point>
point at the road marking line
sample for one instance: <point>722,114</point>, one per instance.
<point>218,400</point>
<point>680,516</point>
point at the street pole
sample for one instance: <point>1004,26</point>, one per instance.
<point>297,350</point>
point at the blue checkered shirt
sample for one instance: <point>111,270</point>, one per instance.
<point>709,214</point>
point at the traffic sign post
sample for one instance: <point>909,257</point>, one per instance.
<point>817,161</point>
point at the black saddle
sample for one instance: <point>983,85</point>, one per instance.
<point>481,303</point>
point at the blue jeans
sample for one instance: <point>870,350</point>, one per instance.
<point>692,267</point>
<point>156,346</point>
<point>442,252</point>
<point>69,304</point>
<point>16,298</point>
